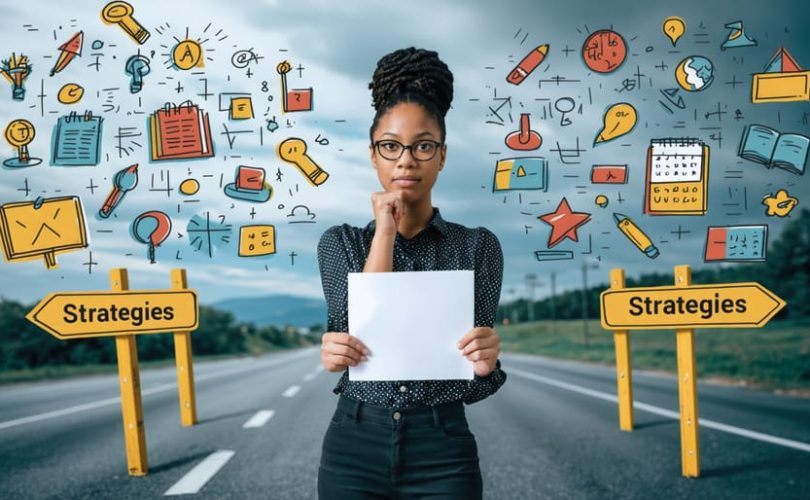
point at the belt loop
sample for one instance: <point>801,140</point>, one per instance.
<point>436,420</point>
<point>356,412</point>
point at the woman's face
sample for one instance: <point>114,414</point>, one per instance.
<point>408,123</point>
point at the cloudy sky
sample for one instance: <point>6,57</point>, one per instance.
<point>333,48</point>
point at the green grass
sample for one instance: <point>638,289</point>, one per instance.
<point>61,372</point>
<point>775,357</point>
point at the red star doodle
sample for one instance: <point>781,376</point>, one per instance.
<point>564,223</point>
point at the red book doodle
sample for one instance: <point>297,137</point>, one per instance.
<point>180,131</point>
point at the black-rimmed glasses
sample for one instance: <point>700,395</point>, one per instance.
<point>422,150</point>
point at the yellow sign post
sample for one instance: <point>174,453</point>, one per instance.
<point>683,307</point>
<point>124,313</point>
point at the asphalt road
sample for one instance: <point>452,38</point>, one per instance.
<point>550,432</point>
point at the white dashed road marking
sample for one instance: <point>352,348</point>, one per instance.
<point>259,419</point>
<point>291,391</point>
<point>197,477</point>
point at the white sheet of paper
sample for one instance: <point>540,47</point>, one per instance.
<point>411,323</point>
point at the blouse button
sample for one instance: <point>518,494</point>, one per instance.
<point>397,415</point>
<point>402,388</point>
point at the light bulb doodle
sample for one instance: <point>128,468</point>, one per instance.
<point>619,120</point>
<point>137,67</point>
<point>16,70</point>
<point>152,228</point>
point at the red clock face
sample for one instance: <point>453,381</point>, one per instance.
<point>604,51</point>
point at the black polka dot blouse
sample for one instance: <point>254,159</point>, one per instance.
<point>441,246</point>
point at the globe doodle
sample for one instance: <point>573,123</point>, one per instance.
<point>695,73</point>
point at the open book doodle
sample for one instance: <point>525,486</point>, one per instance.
<point>765,145</point>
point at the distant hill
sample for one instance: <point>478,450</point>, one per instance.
<point>277,310</point>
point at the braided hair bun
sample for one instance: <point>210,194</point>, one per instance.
<point>412,75</point>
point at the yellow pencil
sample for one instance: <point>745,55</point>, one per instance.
<point>636,235</point>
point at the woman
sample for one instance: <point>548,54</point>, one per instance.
<point>407,439</point>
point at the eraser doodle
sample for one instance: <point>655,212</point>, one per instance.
<point>619,119</point>
<point>249,185</point>
<point>67,51</point>
<point>674,27</point>
<point>16,70</point>
<point>20,133</point>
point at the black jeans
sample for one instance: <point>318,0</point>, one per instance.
<point>374,452</point>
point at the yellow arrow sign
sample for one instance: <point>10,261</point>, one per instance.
<point>75,315</point>
<point>738,305</point>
